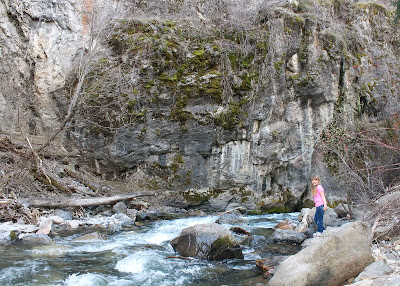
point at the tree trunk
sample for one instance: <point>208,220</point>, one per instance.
<point>78,202</point>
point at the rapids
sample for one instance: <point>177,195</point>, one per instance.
<point>135,256</point>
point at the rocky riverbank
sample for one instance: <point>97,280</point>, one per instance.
<point>344,244</point>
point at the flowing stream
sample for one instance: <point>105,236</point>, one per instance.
<point>137,256</point>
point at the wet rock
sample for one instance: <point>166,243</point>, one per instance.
<point>10,231</point>
<point>35,239</point>
<point>341,253</point>
<point>225,248</point>
<point>208,241</point>
<point>255,241</point>
<point>230,218</point>
<point>268,265</point>
<point>286,224</point>
<point>123,218</point>
<point>142,215</point>
<point>90,237</point>
<point>287,236</point>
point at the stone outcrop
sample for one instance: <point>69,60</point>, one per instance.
<point>223,120</point>
<point>39,40</point>
<point>207,241</point>
<point>341,253</point>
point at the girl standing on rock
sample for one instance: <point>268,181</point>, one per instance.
<point>318,195</point>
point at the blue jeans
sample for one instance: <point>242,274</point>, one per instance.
<point>319,218</point>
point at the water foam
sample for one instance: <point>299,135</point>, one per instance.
<point>134,263</point>
<point>88,279</point>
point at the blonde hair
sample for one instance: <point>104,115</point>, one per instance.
<point>314,188</point>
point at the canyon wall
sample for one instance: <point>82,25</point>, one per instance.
<point>223,105</point>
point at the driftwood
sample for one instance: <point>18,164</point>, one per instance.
<point>79,202</point>
<point>239,230</point>
<point>4,201</point>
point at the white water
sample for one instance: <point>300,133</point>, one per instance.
<point>134,257</point>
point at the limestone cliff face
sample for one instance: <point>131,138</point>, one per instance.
<point>222,109</point>
<point>39,40</point>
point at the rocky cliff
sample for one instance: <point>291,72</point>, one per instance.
<point>218,102</point>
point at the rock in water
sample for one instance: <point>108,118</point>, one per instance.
<point>208,241</point>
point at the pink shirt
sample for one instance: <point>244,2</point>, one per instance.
<point>318,197</point>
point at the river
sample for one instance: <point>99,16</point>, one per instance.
<point>137,256</point>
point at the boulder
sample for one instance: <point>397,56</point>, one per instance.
<point>387,280</point>
<point>46,227</point>
<point>286,224</point>
<point>65,215</point>
<point>57,219</point>
<point>74,224</point>
<point>341,211</point>
<point>341,253</point>
<point>207,241</point>
<point>230,218</point>
<point>132,213</point>
<point>35,239</point>
<point>378,268</point>
<point>120,207</point>
<point>10,231</point>
<point>254,241</point>
<point>123,218</point>
<point>268,265</point>
<point>225,248</point>
<point>90,237</point>
<point>287,236</point>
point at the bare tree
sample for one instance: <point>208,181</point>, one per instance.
<point>100,19</point>
<point>366,163</point>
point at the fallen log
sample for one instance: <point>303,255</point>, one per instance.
<point>5,201</point>
<point>79,202</point>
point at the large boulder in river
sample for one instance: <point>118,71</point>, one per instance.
<point>35,239</point>
<point>208,241</point>
<point>341,253</point>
